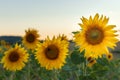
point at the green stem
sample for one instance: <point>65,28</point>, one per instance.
<point>28,73</point>
<point>29,66</point>
<point>85,69</point>
<point>77,76</point>
<point>55,77</point>
<point>12,76</point>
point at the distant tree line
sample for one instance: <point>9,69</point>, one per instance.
<point>11,39</point>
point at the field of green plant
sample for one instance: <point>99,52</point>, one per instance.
<point>93,54</point>
<point>75,68</point>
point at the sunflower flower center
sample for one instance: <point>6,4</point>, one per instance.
<point>14,56</point>
<point>94,36</point>
<point>89,59</point>
<point>92,61</point>
<point>109,56</point>
<point>30,38</point>
<point>52,52</point>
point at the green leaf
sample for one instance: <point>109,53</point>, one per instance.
<point>103,61</point>
<point>89,77</point>
<point>77,58</point>
<point>75,32</point>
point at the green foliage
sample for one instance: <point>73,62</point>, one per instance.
<point>75,69</point>
<point>75,32</point>
<point>77,57</point>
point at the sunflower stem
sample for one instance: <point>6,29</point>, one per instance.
<point>85,69</point>
<point>29,65</point>
<point>77,75</point>
<point>28,73</point>
<point>12,76</point>
<point>55,72</point>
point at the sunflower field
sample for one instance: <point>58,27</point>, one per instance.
<point>90,55</point>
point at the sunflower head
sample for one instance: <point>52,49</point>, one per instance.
<point>109,56</point>
<point>0,49</point>
<point>96,36</point>
<point>2,42</point>
<point>63,37</point>
<point>91,61</point>
<point>15,58</point>
<point>52,53</point>
<point>31,38</point>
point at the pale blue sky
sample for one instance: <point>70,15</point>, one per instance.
<point>53,17</point>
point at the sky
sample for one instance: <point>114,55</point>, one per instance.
<point>53,17</point>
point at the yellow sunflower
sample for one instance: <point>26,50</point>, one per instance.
<point>30,39</point>
<point>91,63</point>
<point>96,36</point>
<point>63,37</point>
<point>1,49</point>
<point>109,56</point>
<point>15,58</point>
<point>52,53</point>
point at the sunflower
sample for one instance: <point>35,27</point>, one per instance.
<point>1,49</point>
<point>63,37</point>
<point>15,58</point>
<point>96,36</point>
<point>52,53</point>
<point>91,63</point>
<point>109,56</point>
<point>30,39</point>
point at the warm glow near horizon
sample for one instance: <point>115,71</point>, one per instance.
<point>52,17</point>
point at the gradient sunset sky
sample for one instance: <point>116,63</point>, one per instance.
<point>53,17</point>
